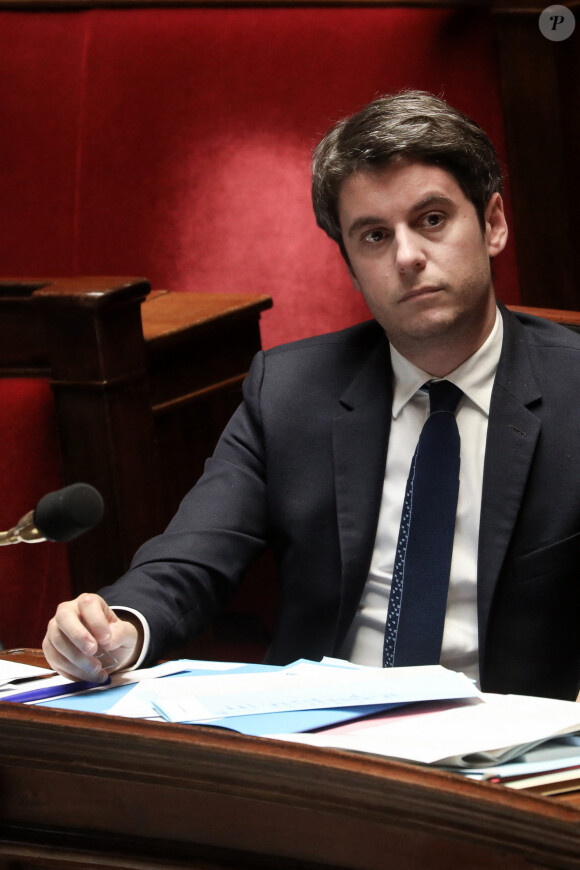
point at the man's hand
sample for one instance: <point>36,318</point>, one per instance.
<point>85,627</point>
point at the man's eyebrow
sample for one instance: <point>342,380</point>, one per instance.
<point>430,199</point>
<point>365,221</point>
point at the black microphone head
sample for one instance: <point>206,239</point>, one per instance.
<point>68,512</point>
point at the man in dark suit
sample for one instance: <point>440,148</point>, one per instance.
<point>314,462</point>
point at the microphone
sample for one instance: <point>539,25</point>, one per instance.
<point>58,516</point>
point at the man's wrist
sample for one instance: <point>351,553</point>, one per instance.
<point>129,614</point>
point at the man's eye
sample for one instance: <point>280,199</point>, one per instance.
<point>433,220</point>
<point>374,236</point>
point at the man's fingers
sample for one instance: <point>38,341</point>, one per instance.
<point>66,627</point>
<point>96,615</point>
<point>65,658</point>
<point>85,622</point>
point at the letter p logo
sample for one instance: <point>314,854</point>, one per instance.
<point>557,23</point>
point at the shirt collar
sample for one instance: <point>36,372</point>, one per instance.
<point>475,376</point>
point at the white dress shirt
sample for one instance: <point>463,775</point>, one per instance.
<point>475,377</point>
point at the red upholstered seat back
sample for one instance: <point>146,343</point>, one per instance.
<point>175,143</point>
<point>33,577</point>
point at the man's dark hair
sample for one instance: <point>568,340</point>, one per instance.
<point>413,124</point>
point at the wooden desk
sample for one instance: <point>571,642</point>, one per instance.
<point>85,791</point>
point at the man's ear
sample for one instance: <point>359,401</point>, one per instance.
<point>496,229</point>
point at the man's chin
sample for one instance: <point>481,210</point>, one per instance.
<point>431,329</point>
<point>431,324</point>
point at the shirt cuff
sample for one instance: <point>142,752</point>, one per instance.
<point>146,633</point>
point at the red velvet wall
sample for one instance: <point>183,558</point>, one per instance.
<point>175,144</point>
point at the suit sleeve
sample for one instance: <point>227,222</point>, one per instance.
<point>182,578</point>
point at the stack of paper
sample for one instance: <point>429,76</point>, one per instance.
<point>550,768</point>
<point>426,715</point>
<point>315,693</point>
<point>491,730</point>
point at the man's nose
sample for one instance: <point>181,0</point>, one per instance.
<point>410,256</point>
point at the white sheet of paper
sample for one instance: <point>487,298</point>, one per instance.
<point>16,671</point>
<point>121,678</point>
<point>165,669</point>
<point>464,734</point>
<point>136,704</point>
<point>304,686</point>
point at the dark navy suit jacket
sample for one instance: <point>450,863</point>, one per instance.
<point>300,468</point>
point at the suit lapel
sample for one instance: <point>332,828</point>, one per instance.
<point>360,437</point>
<point>512,435</point>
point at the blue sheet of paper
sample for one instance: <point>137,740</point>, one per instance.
<point>293,721</point>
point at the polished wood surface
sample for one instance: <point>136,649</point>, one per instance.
<point>81,790</point>
<point>571,319</point>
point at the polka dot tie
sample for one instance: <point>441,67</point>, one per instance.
<point>418,599</point>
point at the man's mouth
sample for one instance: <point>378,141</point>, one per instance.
<point>418,292</point>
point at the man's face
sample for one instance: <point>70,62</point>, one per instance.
<point>418,255</point>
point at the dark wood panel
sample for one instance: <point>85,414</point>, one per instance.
<point>539,81</point>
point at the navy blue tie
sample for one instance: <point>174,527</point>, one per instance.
<point>414,629</point>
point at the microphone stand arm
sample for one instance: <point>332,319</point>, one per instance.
<point>23,532</point>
